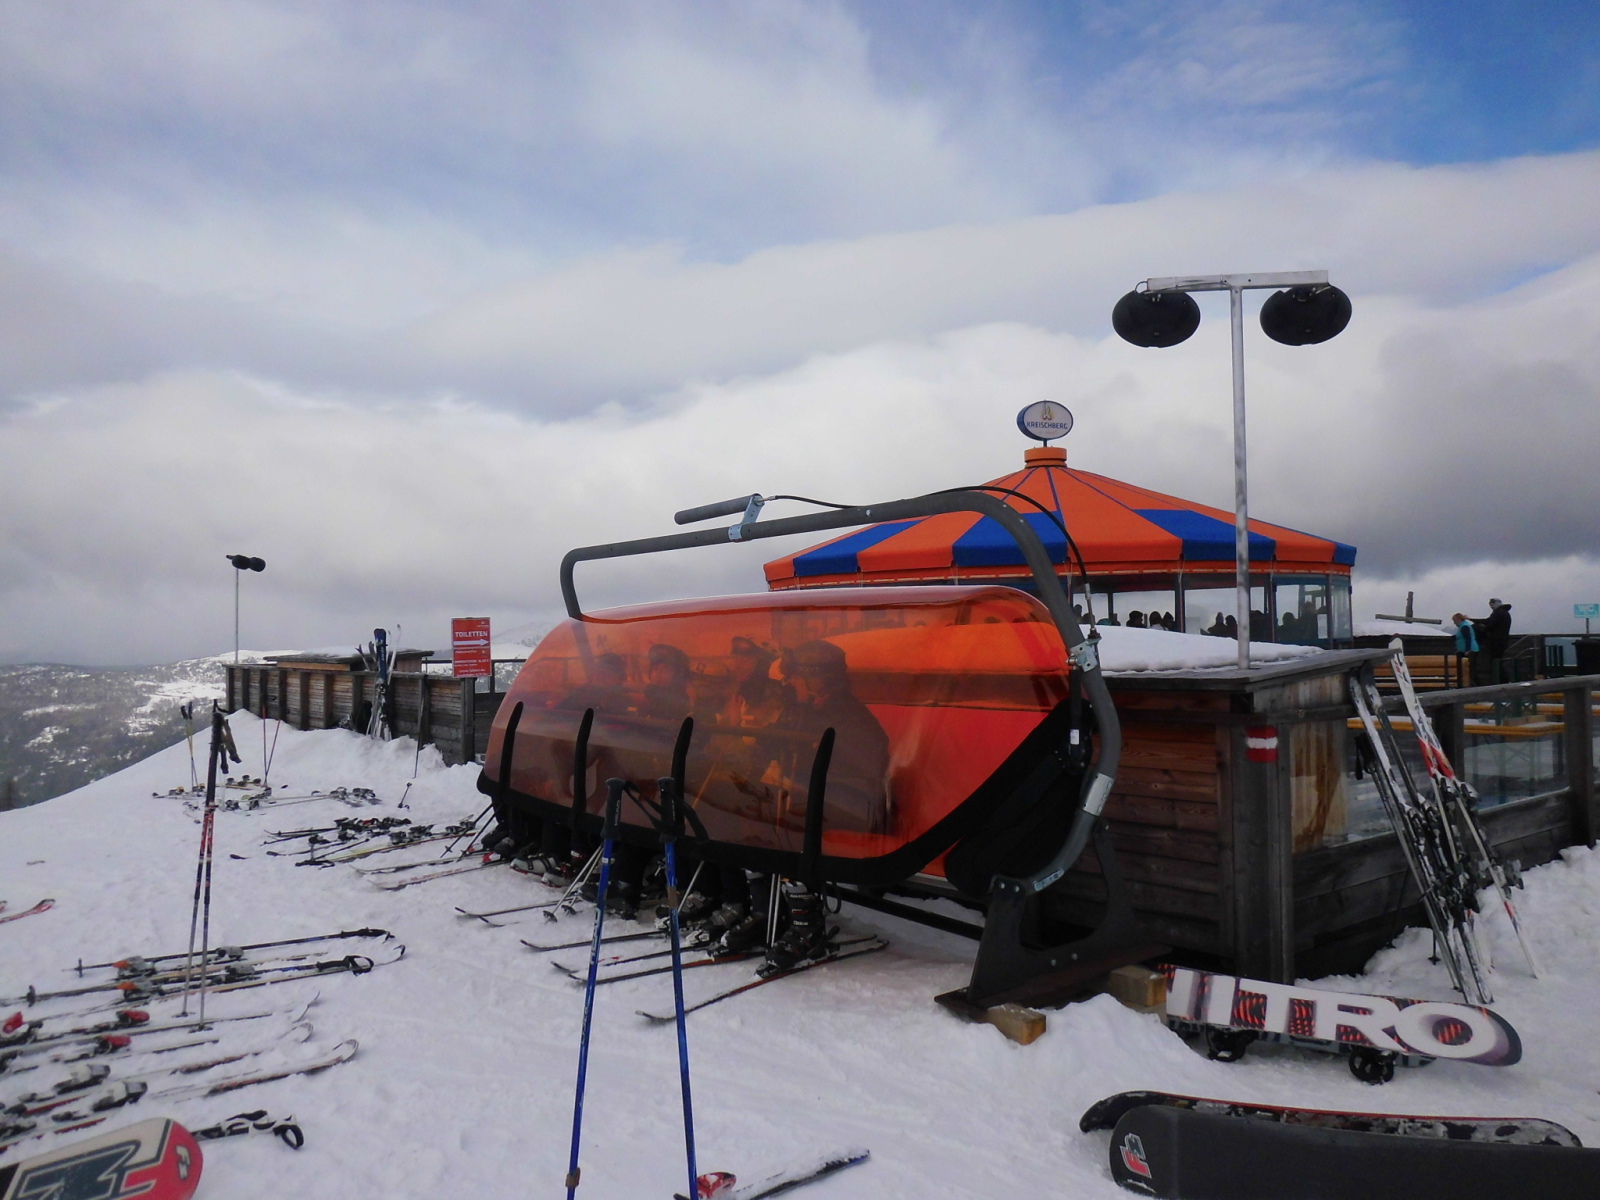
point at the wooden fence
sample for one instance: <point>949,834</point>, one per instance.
<point>435,709</point>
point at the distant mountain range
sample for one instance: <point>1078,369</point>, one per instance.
<point>62,727</point>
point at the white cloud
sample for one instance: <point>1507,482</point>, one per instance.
<point>1393,436</point>
<point>644,319</point>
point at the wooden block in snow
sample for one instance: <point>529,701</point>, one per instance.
<point>1022,1025</point>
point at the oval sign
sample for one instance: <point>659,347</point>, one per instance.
<point>1045,421</point>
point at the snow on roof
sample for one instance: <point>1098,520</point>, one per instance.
<point>1125,651</point>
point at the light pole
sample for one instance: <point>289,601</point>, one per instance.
<point>1160,312</point>
<point>241,562</point>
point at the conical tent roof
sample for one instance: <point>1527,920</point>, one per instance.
<point>1120,529</point>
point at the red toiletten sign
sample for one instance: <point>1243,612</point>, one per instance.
<point>469,646</point>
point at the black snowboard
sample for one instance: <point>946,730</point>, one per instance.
<point>1179,1154</point>
<point>1519,1131</point>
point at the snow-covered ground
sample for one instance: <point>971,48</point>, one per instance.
<point>463,1085</point>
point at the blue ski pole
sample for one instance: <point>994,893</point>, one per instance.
<point>608,842</point>
<point>669,814</point>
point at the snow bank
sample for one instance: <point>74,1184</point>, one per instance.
<point>463,1086</point>
<point>1124,650</point>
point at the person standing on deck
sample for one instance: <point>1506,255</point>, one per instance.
<point>1495,638</point>
<point>1466,643</point>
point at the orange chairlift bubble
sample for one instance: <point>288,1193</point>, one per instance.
<point>854,736</point>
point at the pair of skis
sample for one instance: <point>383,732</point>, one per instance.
<point>1431,846</point>
<point>1460,802</point>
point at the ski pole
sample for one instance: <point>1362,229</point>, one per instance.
<point>607,847</point>
<point>206,824</point>
<point>668,791</point>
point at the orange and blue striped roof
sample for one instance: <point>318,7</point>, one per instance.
<point>1121,529</point>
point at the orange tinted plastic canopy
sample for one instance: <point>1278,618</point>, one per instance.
<point>928,691</point>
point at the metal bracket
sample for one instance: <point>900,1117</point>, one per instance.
<point>752,512</point>
<point>1085,656</point>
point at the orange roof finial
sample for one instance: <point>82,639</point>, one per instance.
<point>1045,456</point>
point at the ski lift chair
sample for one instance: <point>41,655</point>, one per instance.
<point>851,738</point>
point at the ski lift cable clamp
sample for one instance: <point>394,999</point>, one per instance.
<point>1051,593</point>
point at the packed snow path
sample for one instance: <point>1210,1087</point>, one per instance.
<point>463,1086</point>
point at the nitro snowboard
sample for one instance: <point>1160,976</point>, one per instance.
<point>1376,1031</point>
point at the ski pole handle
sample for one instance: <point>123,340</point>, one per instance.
<point>667,790</point>
<point>613,808</point>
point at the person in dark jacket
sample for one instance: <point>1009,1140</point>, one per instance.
<point>1494,634</point>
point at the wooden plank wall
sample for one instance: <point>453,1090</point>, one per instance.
<point>1164,814</point>
<point>437,709</point>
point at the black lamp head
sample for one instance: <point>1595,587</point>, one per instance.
<point>1305,316</point>
<point>1155,318</point>
<point>243,562</point>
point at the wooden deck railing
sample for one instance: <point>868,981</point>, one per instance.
<point>436,709</point>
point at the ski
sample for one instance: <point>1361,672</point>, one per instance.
<point>720,1185</point>
<point>42,906</point>
<point>580,974</point>
<point>1449,894</point>
<point>405,883</point>
<point>1517,1131</point>
<point>709,960</point>
<point>1180,1154</point>
<point>717,998</point>
<point>134,992</point>
<point>237,951</point>
<point>155,1160</point>
<point>1376,1032</point>
<point>500,912</point>
<point>127,1023</point>
<point>123,1092</point>
<point>158,983</point>
<point>539,948</point>
<point>395,868</point>
<point>622,960</point>
<point>1454,794</point>
<point>89,1075</point>
<point>369,851</point>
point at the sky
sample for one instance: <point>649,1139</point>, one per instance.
<point>409,299</point>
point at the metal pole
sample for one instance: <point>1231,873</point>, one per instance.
<point>1241,505</point>
<point>236,617</point>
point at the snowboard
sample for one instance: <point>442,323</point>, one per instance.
<point>154,1160</point>
<point>1344,1021</point>
<point>1180,1154</point>
<point>1519,1131</point>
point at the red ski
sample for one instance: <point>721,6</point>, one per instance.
<point>42,906</point>
<point>154,1160</point>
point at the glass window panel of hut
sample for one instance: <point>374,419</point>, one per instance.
<point>1212,611</point>
<point>1141,610</point>
<point>1344,630</point>
<point>1515,748</point>
<point>1304,616</point>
